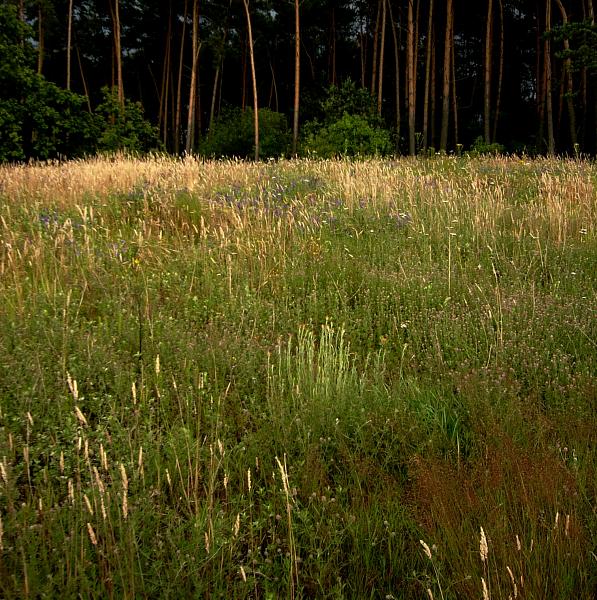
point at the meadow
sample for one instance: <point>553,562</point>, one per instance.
<point>301,379</point>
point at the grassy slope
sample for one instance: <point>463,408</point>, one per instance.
<point>235,380</point>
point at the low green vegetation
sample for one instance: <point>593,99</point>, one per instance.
<point>303,379</point>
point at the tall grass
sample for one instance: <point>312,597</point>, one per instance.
<point>298,379</point>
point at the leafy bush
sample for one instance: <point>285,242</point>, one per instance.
<point>349,126</point>
<point>233,134</point>
<point>351,135</point>
<point>124,127</point>
<point>37,118</point>
<point>352,100</point>
<point>480,148</point>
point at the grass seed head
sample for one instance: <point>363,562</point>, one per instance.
<point>483,549</point>
<point>426,549</point>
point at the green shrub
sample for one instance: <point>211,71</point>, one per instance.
<point>233,134</point>
<point>480,148</point>
<point>349,125</point>
<point>351,135</point>
<point>124,127</point>
<point>37,118</point>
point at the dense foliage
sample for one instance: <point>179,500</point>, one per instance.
<point>40,120</point>
<point>520,75</point>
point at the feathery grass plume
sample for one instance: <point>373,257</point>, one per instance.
<point>92,536</point>
<point>236,527</point>
<point>72,386</point>
<point>426,549</point>
<point>485,590</point>
<point>88,504</point>
<point>483,549</point>
<point>125,489</point>
<point>80,416</point>
<point>140,462</point>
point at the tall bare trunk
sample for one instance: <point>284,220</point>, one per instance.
<point>166,69</point>
<point>332,60</point>
<point>446,75</point>
<point>375,44</point>
<point>273,92</point>
<point>214,95</point>
<point>410,78</point>
<point>69,31</point>
<point>488,64</point>
<point>548,82</point>
<point>40,39</point>
<point>362,51</point>
<point>115,10</point>
<point>244,63</point>
<point>396,72</point>
<point>498,98</point>
<point>191,117</point>
<point>432,93</point>
<point>297,76</point>
<point>381,57</point>
<point>593,77</point>
<point>570,84</point>
<point>454,95</point>
<point>217,79</point>
<point>177,119</point>
<point>83,79</point>
<point>254,78</point>
<point>416,51</point>
<point>427,77</point>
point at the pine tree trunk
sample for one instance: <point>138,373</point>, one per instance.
<point>396,73</point>
<point>254,78</point>
<point>548,83</point>
<point>332,60</point>
<point>433,95</point>
<point>375,44</point>
<point>273,95</point>
<point>488,64</point>
<point>214,94</point>
<point>593,78</point>
<point>416,52</point>
<point>297,77</point>
<point>454,96</point>
<point>191,117</point>
<point>569,82</point>
<point>166,68</point>
<point>498,98</point>
<point>381,57</point>
<point>177,119</point>
<point>40,39</point>
<point>83,79</point>
<point>427,77</point>
<point>117,49</point>
<point>362,51</point>
<point>410,58</point>
<point>69,31</point>
<point>244,62</point>
<point>443,143</point>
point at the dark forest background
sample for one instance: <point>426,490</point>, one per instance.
<point>376,77</point>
